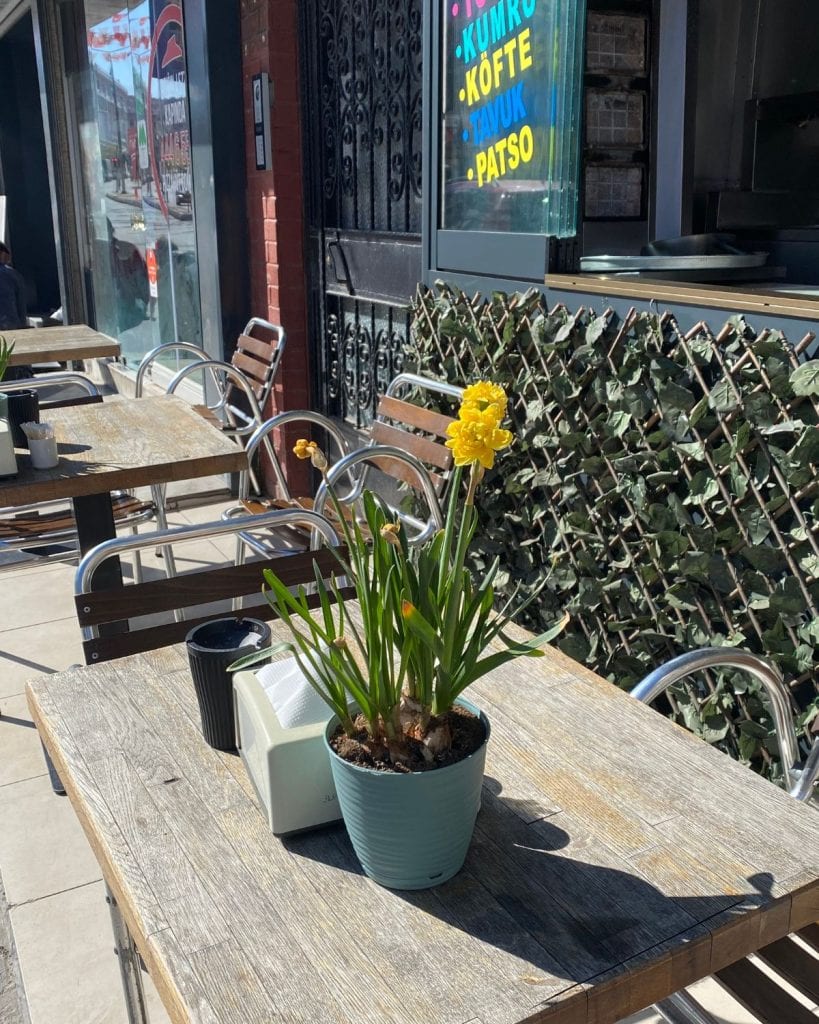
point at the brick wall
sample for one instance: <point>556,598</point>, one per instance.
<point>275,206</point>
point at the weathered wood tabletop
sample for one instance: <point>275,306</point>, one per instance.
<point>59,344</point>
<point>121,445</point>
<point>616,859</point>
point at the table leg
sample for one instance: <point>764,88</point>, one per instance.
<point>129,964</point>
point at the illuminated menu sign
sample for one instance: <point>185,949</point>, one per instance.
<point>511,84</point>
<point>495,49</point>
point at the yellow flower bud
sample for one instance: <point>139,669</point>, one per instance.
<point>303,449</point>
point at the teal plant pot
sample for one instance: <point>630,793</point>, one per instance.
<point>410,831</point>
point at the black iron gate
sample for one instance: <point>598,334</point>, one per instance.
<point>362,107</point>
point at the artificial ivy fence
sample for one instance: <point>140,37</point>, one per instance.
<point>668,482</point>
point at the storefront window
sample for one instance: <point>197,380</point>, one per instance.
<point>134,131</point>
<point>511,114</point>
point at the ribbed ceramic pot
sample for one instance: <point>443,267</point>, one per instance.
<point>410,830</point>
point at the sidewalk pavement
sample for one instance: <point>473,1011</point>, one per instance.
<point>56,950</point>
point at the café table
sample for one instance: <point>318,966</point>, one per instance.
<point>120,445</point>
<point>616,859</point>
<point>61,344</point>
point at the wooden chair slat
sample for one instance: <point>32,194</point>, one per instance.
<point>414,415</point>
<point>761,995</point>
<point>402,472</point>
<point>250,367</point>
<point>196,588</point>
<point>423,448</point>
<point>329,511</point>
<point>151,638</point>
<point>263,349</point>
<point>36,524</point>
<point>795,964</point>
<point>810,935</point>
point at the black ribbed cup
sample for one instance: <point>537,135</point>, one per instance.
<point>212,646</point>
<point>23,407</point>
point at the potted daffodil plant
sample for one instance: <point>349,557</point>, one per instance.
<point>407,749</point>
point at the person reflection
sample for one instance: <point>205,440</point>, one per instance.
<point>130,277</point>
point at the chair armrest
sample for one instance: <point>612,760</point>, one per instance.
<point>262,436</point>
<point>383,451</point>
<point>149,358</point>
<point>768,675</point>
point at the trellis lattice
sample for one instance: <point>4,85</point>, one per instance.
<point>665,480</point>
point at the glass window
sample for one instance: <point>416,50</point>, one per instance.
<point>511,111</point>
<point>131,98</point>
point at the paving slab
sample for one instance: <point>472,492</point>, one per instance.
<point>21,754</point>
<point>30,651</point>
<point>12,1002</point>
<point>39,597</point>
<point>67,962</point>
<point>51,853</point>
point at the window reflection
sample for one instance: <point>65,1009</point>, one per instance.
<point>135,141</point>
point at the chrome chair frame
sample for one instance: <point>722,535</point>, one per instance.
<point>399,384</point>
<point>84,575</point>
<point>800,776</point>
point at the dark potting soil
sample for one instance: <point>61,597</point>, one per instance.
<point>467,731</point>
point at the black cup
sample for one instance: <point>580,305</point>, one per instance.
<point>23,407</point>
<point>212,646</point>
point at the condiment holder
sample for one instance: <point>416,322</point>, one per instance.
<point>42,444</point>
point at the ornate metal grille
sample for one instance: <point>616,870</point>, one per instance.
<point>364,113</point>
<point>365,348</point>
<point>370,123</point>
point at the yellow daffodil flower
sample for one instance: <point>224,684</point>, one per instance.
<point>477,441</point>
<point>483,395</point>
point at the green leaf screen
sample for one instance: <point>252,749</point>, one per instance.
<point>512,80</point>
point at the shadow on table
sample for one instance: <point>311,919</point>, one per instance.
<point>518,891</point>
<point>70,448</point>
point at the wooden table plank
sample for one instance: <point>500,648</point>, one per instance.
<point>122,445</point>
<point>59,344</point>
<point>581,899</point>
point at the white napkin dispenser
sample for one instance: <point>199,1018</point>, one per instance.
<point>289,767</point>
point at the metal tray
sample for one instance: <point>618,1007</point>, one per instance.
<point>630,264</point>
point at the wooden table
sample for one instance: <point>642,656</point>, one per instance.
<point>616,859</point>
<point>120,445</point>
<point>59,344</point>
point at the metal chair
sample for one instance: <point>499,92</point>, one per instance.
<point>239,395</point>
<point>405,443</point>
<point>105,615</point>
<point>240,387</point>
<point>753,988</point>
